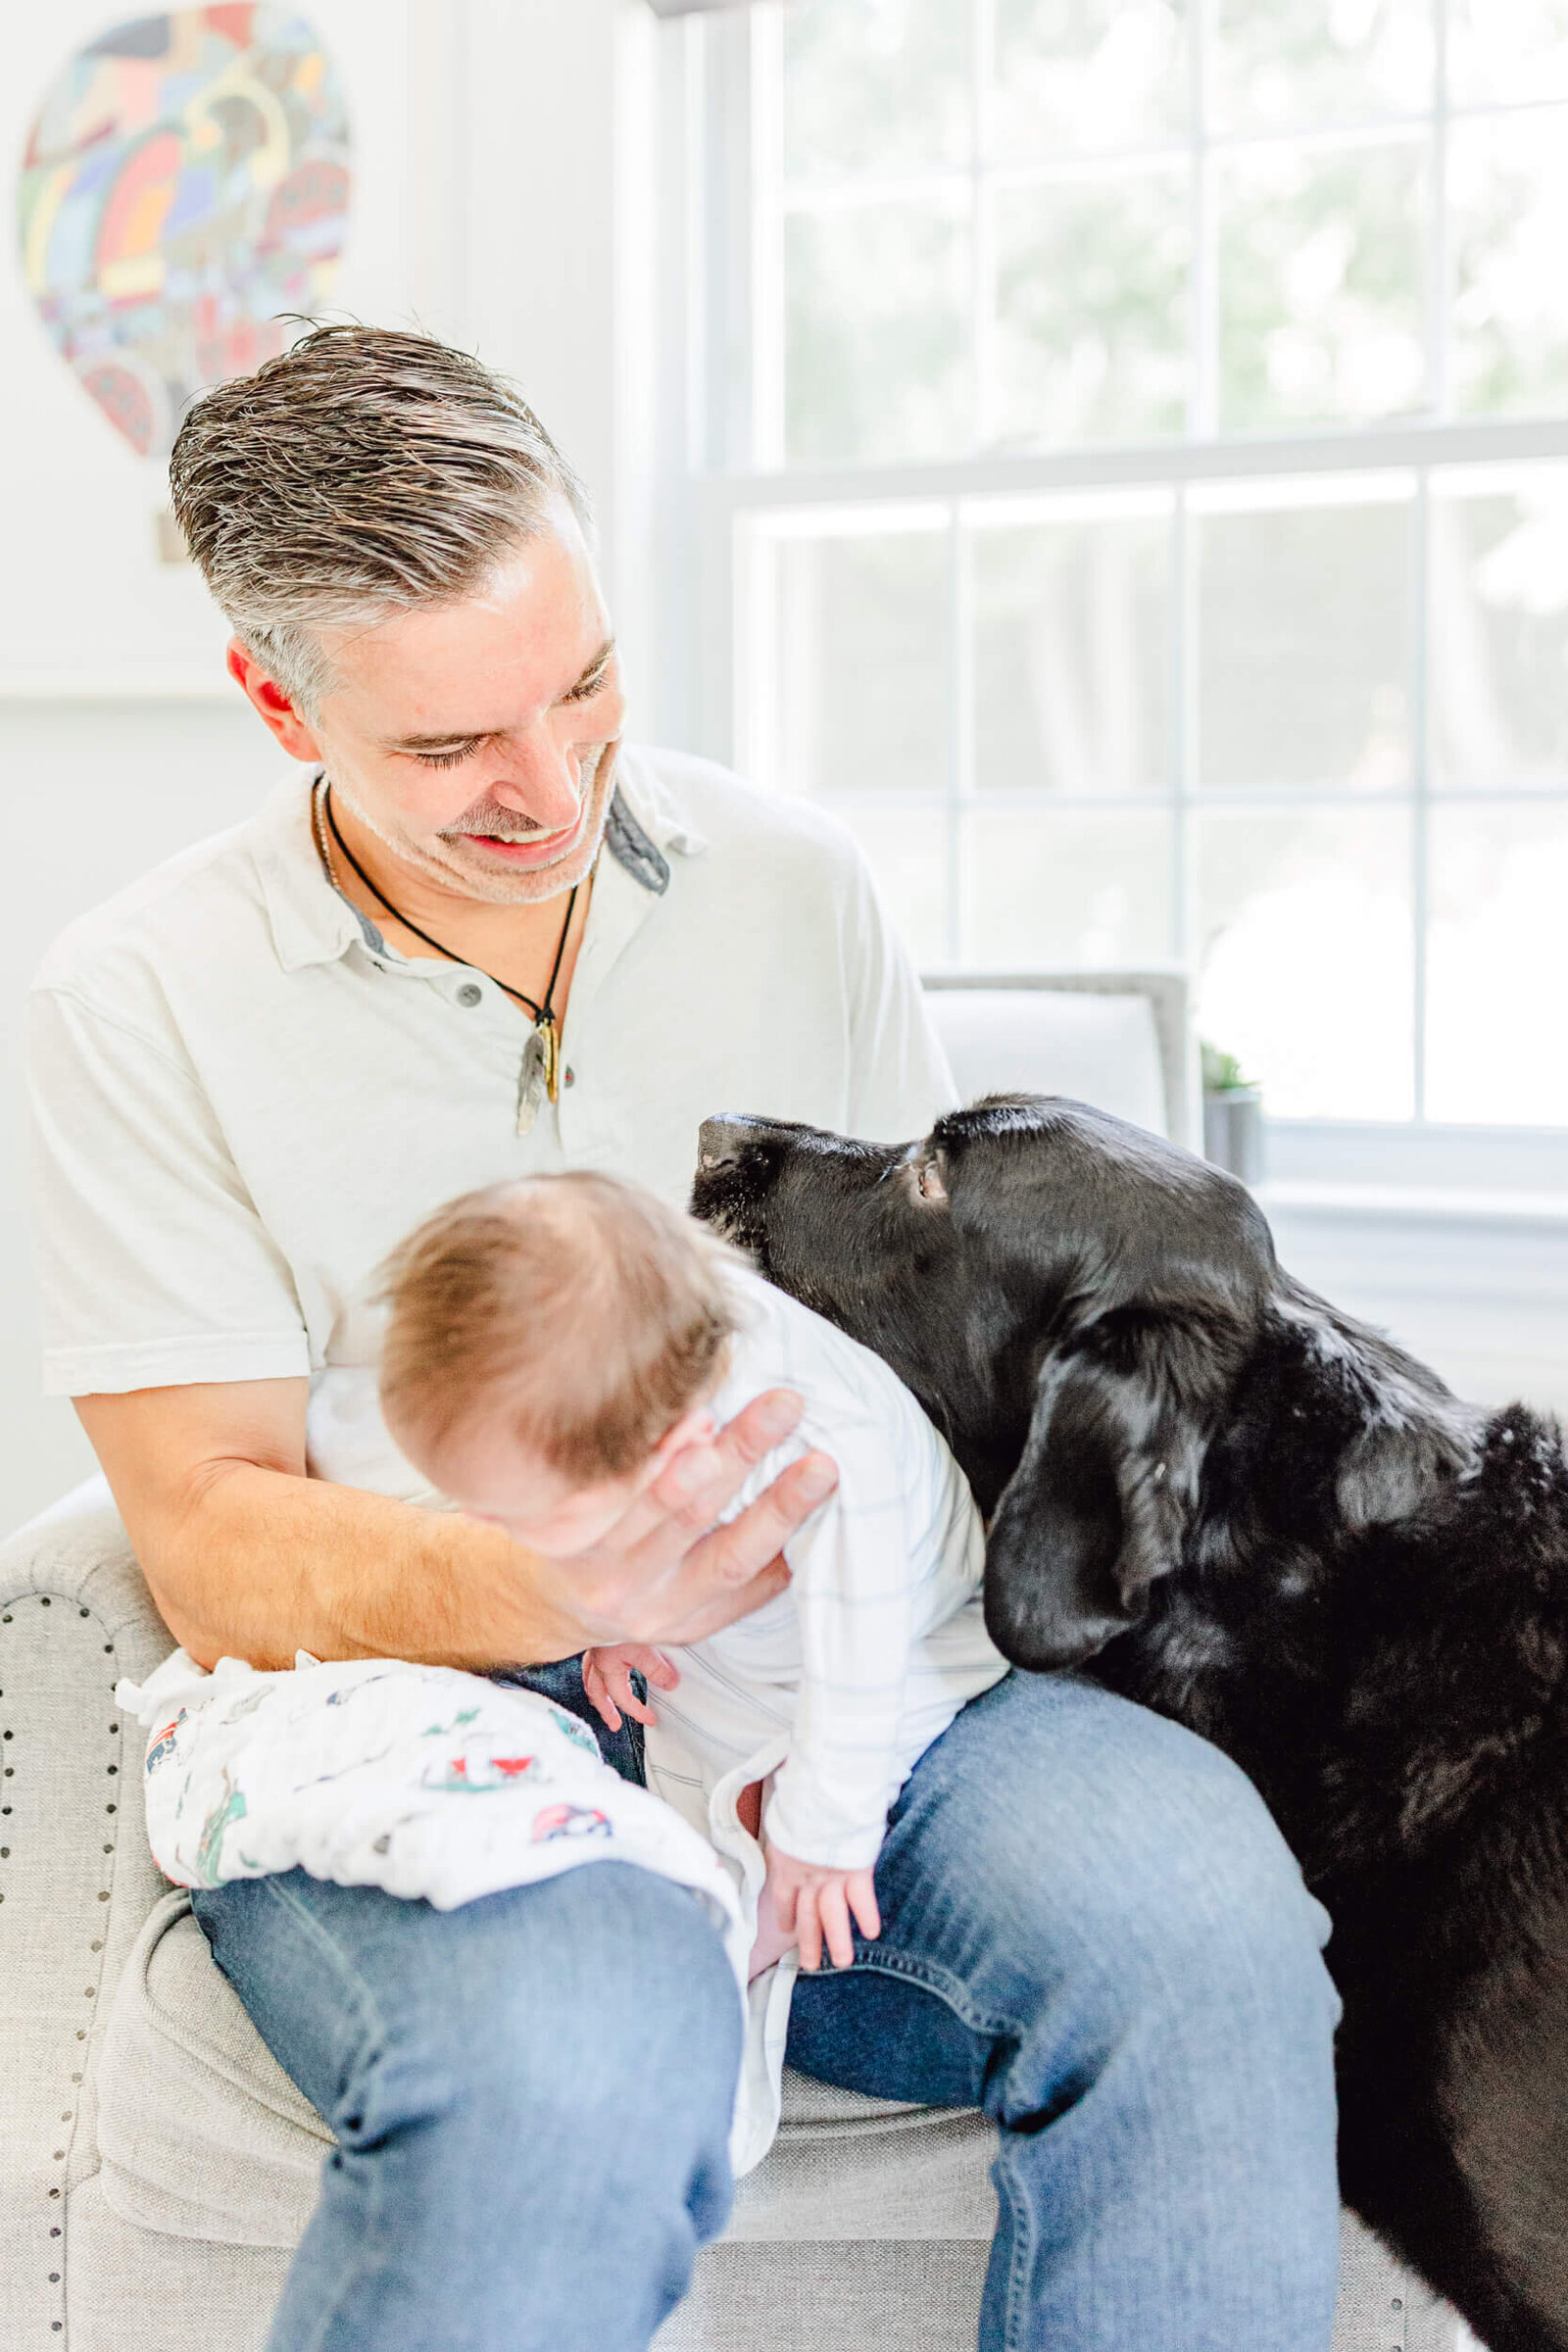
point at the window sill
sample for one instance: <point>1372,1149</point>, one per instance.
<point>1471,1279</point>
<point>1419,1203</point>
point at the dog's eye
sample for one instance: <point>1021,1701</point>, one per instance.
<point>928,1182</point>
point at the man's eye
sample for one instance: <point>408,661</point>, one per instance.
<point>586,688</point>
<point>464,750</point>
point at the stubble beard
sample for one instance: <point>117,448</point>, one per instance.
<point>446,860</point>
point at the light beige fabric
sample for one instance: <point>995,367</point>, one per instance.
<point>73,1614</point>
<point>129,2291</point>
<point>1096,1049</point>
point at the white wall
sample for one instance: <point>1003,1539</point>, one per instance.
<point>505,200</point>
<point>94,794</point>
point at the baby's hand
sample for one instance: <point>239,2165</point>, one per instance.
<point>817,1905</point>
<point>607,1677</point>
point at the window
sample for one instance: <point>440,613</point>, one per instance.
<point>1137,473</point>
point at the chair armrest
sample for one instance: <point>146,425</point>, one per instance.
<point>78,1552</point>
<point>76,1878</point>
<point>1169,995</point>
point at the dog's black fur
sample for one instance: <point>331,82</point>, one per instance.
<point>1259,1517</point>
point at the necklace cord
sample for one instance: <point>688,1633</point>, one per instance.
<point>544,1014</point>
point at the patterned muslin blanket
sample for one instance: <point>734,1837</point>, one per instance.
<point>436,1784</point>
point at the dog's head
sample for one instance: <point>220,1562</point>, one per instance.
<point>1077,1305</point>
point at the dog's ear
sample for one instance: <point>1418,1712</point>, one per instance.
<point>1399,1434</point>
<point>1100,1501</point>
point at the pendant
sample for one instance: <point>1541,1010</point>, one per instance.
<point>550,1035</point>
<point>530,1082</point>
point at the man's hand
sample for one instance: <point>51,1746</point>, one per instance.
<point>248,1557</point>
<point>607,1677</point>
<point>658,1576</point>
<point>815,1905</point>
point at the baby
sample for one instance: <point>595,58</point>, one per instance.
<point>553,1343</point>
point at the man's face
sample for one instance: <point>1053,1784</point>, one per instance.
<point>473,739</point>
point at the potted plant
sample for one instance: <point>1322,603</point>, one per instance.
<point>1233,1116</point>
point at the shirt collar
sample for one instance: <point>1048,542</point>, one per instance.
<point>312,922</point>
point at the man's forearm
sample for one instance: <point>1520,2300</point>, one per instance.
<point>261,1563</point>
<point>249,1558</point>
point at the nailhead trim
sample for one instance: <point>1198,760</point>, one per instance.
<point>68,2115</point>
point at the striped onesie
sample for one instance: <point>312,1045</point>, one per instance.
<point>879,1639</point>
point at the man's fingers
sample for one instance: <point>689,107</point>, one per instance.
<point>703,1479</point>
<point>661,1671</point>
<point>659,1578</point>
<point>738,1552</point>
<point>808,1928</point>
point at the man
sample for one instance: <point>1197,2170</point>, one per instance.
<point>474,937</point>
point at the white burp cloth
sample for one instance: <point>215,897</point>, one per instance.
<point>439,1785</point>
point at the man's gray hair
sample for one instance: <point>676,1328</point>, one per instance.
<point>362,471</point>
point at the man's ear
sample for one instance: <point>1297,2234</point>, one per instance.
<point>1099,1504</point>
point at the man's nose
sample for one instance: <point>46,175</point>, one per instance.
<point>542,784</point>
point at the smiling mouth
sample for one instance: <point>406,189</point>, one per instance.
<point>531,841</point>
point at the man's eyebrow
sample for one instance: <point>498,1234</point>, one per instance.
<point>447,742</point>
<point>430,743</point>
<point>600,662</point>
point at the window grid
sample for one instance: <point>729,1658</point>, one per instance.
<point>981,179</point>
<point>764,493</point>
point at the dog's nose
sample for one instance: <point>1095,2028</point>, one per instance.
<point>718,1141</point>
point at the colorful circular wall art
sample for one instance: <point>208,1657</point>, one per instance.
<point>186,182</point>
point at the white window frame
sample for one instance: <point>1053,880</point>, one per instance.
<point>719,113</point>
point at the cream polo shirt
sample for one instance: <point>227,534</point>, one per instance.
<point>242,1096</point>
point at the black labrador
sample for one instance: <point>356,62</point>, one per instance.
<point>1261,1517</point>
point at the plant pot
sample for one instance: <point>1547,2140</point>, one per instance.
<point>1233,1130</point>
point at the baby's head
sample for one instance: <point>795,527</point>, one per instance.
<point>552,1344</point>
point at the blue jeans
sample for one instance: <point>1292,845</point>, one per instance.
<point>1092,1930</point>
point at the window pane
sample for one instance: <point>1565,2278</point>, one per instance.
<point>1320,283</point>
<point>1092,309</point>
<point>1509,203</point>
<point>1498,966</point>
<point>874,86</point>
<point>908,850</point>
<point>1507,49</point>
<point>1302,936</point>
<point>1072,655</point>
<point>1499,629</point>
<point>1086,73</point>
<point>860,666</point>
<point>1054,891</point>
<point>1297,63</point>
<point>876,328</point>
<point>1303,617</point>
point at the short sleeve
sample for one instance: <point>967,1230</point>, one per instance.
<point>154,1266</point>
<point>900,1082</point>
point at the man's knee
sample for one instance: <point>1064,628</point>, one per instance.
<point>1132,1860</point>
<point>613,2004</point>
<point>1190,1904</point>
